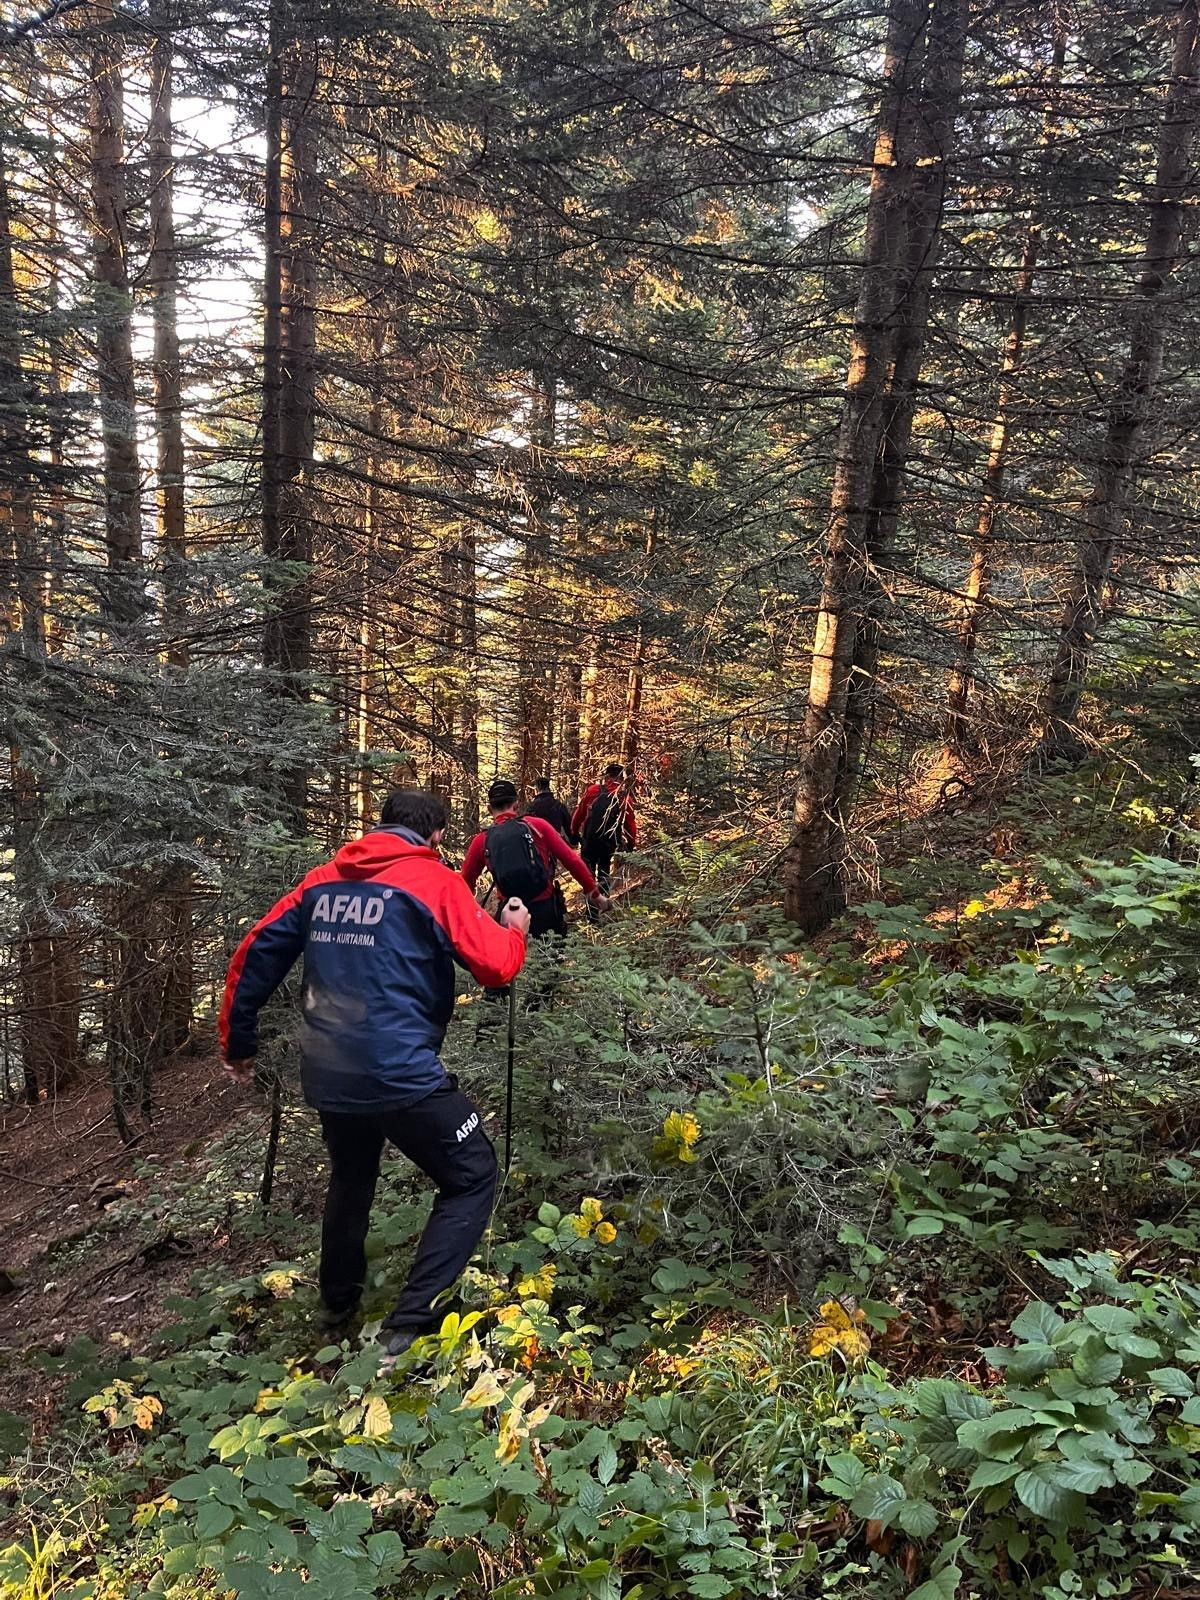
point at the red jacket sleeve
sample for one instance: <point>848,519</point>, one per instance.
<point>582,809</point>
<point>491,954</point>
<point>561,851</point>
<point>474,860</point>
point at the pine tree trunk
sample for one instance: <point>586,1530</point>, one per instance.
<point>468,645</point>
<point>163,280</point>
<point>533,700</point>
<point>1131,405</point>
<point>635,688</point>
<point>289,366</point>
<point>931,134</point>
<point>960,736</point>
<point>813,885</point>
<point>114,335</point>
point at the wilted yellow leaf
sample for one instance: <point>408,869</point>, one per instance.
<point>377,1419</point>
<point>487,1390</point>
<point>606,1233</point>
<point>591,1210</point>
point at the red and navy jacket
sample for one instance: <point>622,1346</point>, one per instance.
<point>592,793</point>
<point>551,846</point>
<point>379,927</point>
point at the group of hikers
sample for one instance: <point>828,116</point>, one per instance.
<point>380,927</point>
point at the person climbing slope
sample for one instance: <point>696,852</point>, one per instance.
<point>604,824</point>
<point>520,853</point>
<point>549,807</point>
<point>380,927</point>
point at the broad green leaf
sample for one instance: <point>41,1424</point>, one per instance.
<point>918,1519</point>
<point>1086,1476</point>
<point>942,1586</point>
<point>879,1498</point>
<point>1111,1319</point>
<point>1038,1323</point>
<point>1173,1381</point>
<point>1041,1489</point>
<point>989,1473</point>
<point>923,1227</point>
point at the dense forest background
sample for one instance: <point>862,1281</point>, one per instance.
<point>798,401</point>
<point>796,404</point>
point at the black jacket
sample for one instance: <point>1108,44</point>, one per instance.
<point>551,810</point>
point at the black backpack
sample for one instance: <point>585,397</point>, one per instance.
<point>604,827</point>
<point>515,862</point>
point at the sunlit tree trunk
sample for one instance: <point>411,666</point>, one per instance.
<point>1132,402</point>
<point>468,645</point>
<point>812,865</point>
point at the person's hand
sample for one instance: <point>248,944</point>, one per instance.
<point>600,901</point>
<point>516,915</point>
<point>240,1071</point>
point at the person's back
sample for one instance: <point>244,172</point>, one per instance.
<point>380,925</point>
<point>379,928</point>
<point>546,805</point>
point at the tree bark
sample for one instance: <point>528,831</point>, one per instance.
<point>635,688</point>
<point>163,282</point>
<point>468,645</point>
<point>960,735</point>
<point>813,884</point>
<point>114,334</point>
<point>289,367</point>
<point>1108,503</point>
<point>533,698</point>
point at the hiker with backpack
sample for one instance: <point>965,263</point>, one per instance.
<point>604,824</point>
<point>520,853</point>
<point>549,807</point>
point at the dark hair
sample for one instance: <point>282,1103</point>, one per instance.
<point>417,809</point>
<point>614,769</point>
<point>542,783</point>
<point>502,794</point>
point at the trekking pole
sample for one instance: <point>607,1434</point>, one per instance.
<point>512,1050</point>
<point>268,1177</point>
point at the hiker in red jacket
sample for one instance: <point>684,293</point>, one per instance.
<point>604,823</point>
<point>523,851</point>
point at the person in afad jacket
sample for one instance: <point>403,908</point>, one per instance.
<point>380,928</point>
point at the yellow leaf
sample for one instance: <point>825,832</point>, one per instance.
<point>581,1225</point>
<point>509,1441</point>
<point>487,1390</point>
<point>377,1421</point>
<point>824,1339</point>
<point>835,1314</point>
<point>592,1210</point>
<point>854,1343</point>
<point>606,1233</point>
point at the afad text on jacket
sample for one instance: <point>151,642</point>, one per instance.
<point>379,927</point>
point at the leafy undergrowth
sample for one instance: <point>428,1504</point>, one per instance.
<point>841,1275</point>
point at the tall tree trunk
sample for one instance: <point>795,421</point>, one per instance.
<point>1108,503</point>
<point>812,866</point>
<point>114,333</point>
<point>635,688</point>
<point>289,365</point>
<point>26,620</point>
<point>468,645</point>
<point>163,281</point>
<point>960,738</point>
<point>133,996</point>
<point>533,697</point>
<point>931,135</point>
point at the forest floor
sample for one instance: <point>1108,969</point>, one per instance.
<point>72,1265</point>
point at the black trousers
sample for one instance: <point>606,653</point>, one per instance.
<point>601,868</point>
<point>443,1135</point>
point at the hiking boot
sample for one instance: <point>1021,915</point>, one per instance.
<point>336,1321</point>
<point>397,1342</point>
